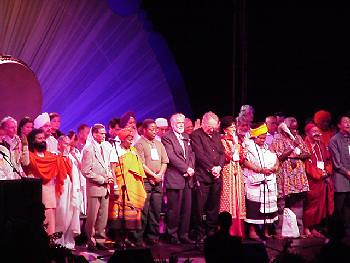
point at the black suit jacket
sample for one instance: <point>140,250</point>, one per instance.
<point>178,164</point>
<point>209,153</point>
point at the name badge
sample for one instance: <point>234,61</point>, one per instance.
<point>297,151</point>
<point>320,165</point>
<point>235,156</point>
<point>154,154</point>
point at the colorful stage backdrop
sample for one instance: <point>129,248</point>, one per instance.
<point>92,63</point>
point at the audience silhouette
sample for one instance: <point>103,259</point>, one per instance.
<point>337,247</point>
<point>221,246</point>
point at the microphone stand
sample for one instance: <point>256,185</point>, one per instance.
<point>123,243</point>
<point>264,193</point>
<point>11,165</point>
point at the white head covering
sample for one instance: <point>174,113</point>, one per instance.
<point>161,122</point>
<point>41,120</point>
<point>90,138</point>
<point>113,157</point>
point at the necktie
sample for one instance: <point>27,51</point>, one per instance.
<point>181,141</point>
<point>102,153</point>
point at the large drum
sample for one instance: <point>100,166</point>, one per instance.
<point>20,92</point>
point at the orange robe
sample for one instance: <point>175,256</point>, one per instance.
<point>319,199</point>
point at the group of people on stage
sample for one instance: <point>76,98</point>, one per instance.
<point>124,177</point>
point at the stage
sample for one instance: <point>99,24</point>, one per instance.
<point>308,248</point>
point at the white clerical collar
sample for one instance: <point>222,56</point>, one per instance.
<point>179,135</point>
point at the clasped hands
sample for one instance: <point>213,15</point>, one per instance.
<point>189,172</point>
<point>156,177</point>
<point>215,171</point>
<point>108,180</point>
<point>266,171</point>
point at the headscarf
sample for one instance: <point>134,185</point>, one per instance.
<point>125,118</point>
<point>308,127</point>
<point>262,129</point>
<point>90,138</point>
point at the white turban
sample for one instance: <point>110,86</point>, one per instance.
<point>41,120</point>
<point>161,122</point>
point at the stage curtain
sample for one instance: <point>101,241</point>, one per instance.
<point>92,64</point>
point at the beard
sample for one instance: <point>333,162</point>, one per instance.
<point>179,129</point>
<point>39,146</point>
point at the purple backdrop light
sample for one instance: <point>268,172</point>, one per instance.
<point>124,7</point>
<point>92,64</point>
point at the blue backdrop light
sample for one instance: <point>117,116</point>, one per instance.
<point>92,63</point>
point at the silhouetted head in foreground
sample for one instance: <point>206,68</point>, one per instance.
<point>224,221</point>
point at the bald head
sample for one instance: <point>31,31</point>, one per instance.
<point>271,123</point>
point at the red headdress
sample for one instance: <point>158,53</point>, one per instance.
<point>308,127</point>
<point>123,133</point>
<point>322,115</point>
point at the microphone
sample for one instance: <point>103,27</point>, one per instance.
<point>7,159</point>
<point>113,141</point>
<point>3,154</point>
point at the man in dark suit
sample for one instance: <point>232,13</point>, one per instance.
<point>178,180</point>
<point>210,158</point>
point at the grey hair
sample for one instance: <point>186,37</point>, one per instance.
<point>289,120</point>
<point>175,116</point>
<point>244,109</point>
<point>6,119</point>
<point>242,120</point>
<point>209,115</point>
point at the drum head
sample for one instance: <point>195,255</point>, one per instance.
<point>20,90</point>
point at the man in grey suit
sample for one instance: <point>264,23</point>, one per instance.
<point>339,147</point>
<point>178,180</point>
<point>96,168</point>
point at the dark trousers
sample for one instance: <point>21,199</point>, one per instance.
<point>179,211</point>
<point>150,212</point>
<point>206,207</point>
<point>342,210</point>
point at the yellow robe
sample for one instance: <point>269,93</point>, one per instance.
<point>130,166</point>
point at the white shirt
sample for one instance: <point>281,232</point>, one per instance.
<point>51,145</point>
<point>181,141</point>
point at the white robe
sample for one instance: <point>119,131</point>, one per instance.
<point>68,208</point>
<point>263,158</point>
<point>83,203</point>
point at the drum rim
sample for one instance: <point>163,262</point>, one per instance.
<point>9,59</point>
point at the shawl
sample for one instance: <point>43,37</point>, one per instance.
<point>49,167</point>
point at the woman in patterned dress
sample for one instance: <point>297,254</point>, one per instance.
<point>232,196</point>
